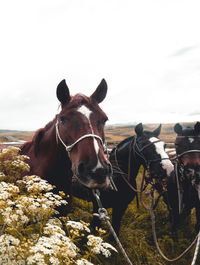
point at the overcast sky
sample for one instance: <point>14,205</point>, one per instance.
<point>147,50</point>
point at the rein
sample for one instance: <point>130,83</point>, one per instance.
<point>70,147</point>
<point>188,152</point>
<point>176,171</point>
<point>147,164</point>
<point>156,241</point>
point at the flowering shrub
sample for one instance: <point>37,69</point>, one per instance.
<point>29,232</point>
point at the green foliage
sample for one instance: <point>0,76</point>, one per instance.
<point>136,234</point>
<point>30,235</point>
<point>29,232</point>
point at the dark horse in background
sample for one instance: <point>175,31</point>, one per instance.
<point>144,148</point>
<point>187,145</point>
<point>72,143</point>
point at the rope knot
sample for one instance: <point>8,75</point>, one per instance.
<point>102,214</point>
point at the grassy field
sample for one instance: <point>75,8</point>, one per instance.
<point>135,234</point>
<point>19,135</point>
<point>114,134</point>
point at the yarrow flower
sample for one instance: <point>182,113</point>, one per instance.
<point>7,190</point>
<point>29,233</point>
<point>99,247</point>
<point>35,184</point>
<point>78,225</point>
<point>9,247</point>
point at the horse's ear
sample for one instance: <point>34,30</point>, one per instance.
<point>178,129</point>
<point>139,129</point>
<point>156,132</point>
<point>101,91</point>
<point>63,92</point>
<point>197,128</point>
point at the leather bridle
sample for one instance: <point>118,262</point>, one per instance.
<point>138,151</point>
<point>70,147</point>
<point>134,146</point>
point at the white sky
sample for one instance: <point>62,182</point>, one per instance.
<point>147,50</point>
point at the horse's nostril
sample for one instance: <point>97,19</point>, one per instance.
<point>101,171</point>
<point>81,168</point>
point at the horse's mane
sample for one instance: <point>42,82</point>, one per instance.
<point>122,143</point>
<point>125,141</point>
<point>38,136</point>
<point>148,134</point>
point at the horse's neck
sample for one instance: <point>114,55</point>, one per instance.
<point>129,161</point>
<point>49,157</point>
<point>136,163</point>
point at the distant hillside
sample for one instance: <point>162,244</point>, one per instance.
<point>114,133</point>
<point>20,135</point>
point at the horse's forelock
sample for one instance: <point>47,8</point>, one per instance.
<point>78,99</point>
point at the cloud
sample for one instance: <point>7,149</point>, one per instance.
<point>194,113</point>
<point>85,41</point>
<point>184,50</point>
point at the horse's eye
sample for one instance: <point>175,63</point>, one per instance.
<point>100,124</point>
<point>103,122</point>
<point>63,119</point>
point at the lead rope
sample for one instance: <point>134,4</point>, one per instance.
<point>103,215</point>
<point>156,241</point>
<point>178,188</point>
<point>196,250</point>
<point>122,174</point>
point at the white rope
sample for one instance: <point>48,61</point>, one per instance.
<point>178,188</point>
<point>69,147</point>
<point>103,215</point>
<point>196,250</point>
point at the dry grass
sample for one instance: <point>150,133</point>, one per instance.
<point>114,134</point>
<point>20,135</point>
<point>135,233</point>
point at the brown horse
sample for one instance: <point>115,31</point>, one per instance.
<point>72,144</point>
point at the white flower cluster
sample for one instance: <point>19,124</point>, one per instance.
<point>54,244</point>
<point>7,190</point>
<point>20,164</point>
<point>100,247</point>
<point>9,248</point>
<point>18,209</point>
<point>2,175</point>
<point>12,149</point>
<point>83,262</point>
<point>35,184</point>
<point>29,235</point>
<point>78,225</point>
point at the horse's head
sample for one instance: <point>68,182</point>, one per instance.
<point>80,129</point>
<point>188,151</point>
<point>152,150</point>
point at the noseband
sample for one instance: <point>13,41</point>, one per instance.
<point>188,152</point>
<point>70,147</point>
<point>134,146</point>
<point>138,151</point>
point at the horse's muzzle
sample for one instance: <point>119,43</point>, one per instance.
<point>94,178</point>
